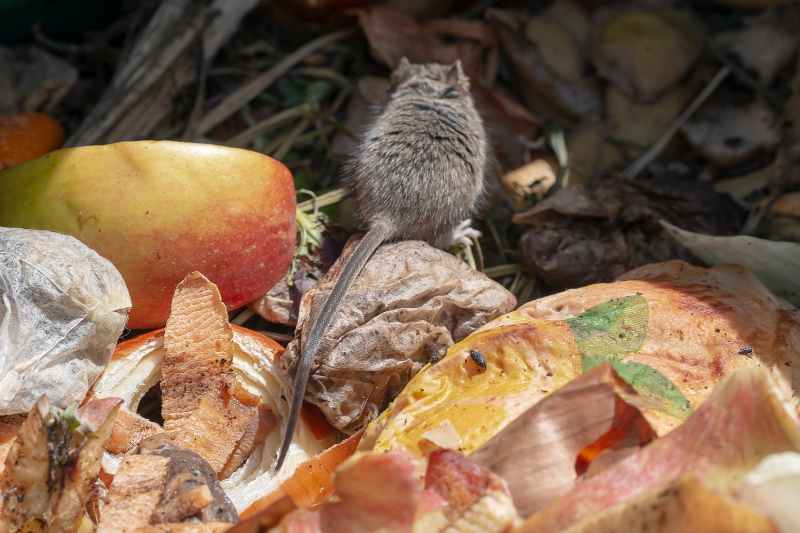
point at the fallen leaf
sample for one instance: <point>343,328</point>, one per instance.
<point>748,416</point>
<point>547,90</point>
<point>774,262</point>
<point>62,309</point>
<point>639,126</point>
<point>410,302</point>
<point>645,52</point>
<point>587,234</point>
<point>764,45</point>
<point>727,134</point>
<point>591,154</point>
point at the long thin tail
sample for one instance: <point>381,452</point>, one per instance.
<point>352,268</point>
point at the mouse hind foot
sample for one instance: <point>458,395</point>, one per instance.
<point>463,234</point>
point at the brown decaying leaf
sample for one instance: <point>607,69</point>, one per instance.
<point>546,86</point>
<point>537,454</point>
<point>747,417</point>
<point>587,234</point>
<point>200,406</point>
<point>409,303</point>
<point>727,134</point>
<point>765,44</point>
<point>645,52</point>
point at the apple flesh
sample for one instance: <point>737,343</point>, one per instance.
<point>159,210</point>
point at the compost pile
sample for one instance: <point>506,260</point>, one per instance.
<point>619,350</point>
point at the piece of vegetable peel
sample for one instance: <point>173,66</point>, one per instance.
<point>216,361</point>
<point>672,334</point>
<point>542,452</point>
<point>749,416</point>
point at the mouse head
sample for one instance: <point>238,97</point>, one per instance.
<point>430,79</point>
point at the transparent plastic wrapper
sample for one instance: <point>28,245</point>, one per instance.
<point>62,309</point>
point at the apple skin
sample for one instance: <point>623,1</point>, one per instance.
<point>159,210</point>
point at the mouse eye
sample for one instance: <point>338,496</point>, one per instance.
<point>450,92</point>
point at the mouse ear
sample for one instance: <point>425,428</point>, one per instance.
<point>401,71</point>
<point>455,76</point>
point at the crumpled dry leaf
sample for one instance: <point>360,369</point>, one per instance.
<point>645,52</point>
<point>727,134</point>
<point>410,302</point>
<point>538,452</point>
<point>749,416</point>
<point>670,330</point>
<point>62,309</point>
<point>775,263</point>
<point>549,64</point>
<point>587,234</point>
<point>765,44</point>
<point>53,464</point>
<point>281,303</point>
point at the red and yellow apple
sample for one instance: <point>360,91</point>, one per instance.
<point>159,210</point>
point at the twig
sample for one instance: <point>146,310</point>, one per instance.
<point>200,95</point>
<point>323,200</point>
<point>157,49</point>
<point>255,131</point>
<point>500,271</point>
<point>234,101</point>
<point>289,140</point>
<point>646,158</point>
<point>326,74</point>
<point>243,317</point>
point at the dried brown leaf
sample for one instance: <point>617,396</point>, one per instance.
<point>587,234</point>
<point>410,302</point>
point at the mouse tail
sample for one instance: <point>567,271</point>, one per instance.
<point>350,271</point>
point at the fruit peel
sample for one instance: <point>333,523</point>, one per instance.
<point>161,209</point>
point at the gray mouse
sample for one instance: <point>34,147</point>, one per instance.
<point>417,174</point>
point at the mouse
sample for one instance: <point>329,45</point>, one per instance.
<point>418,173</point>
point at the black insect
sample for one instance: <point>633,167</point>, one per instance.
<point>478,358</point>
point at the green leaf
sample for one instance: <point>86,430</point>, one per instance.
<point>647,381</point>
<point>611,329</point>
